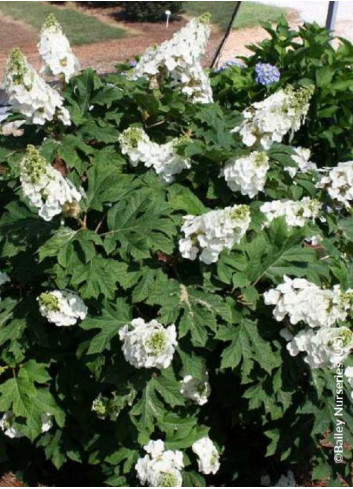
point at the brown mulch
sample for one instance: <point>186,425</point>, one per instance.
<point>10,480</point>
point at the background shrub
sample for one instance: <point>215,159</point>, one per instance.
<point>150,11</point>
<point>304,56</point>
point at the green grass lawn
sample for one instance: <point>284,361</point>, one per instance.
<point>79,27</point>
<point>250,14</point>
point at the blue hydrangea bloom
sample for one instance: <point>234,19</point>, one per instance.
<point>132,63</point>
<point>228,64</point>
<point>267,74</point>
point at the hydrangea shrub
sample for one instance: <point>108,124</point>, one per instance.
<point>175,274</point>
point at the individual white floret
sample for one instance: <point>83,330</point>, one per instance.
<point>30,95</point>
<point>211,233</point>
<point>62,308</point>
<point>44,186</point>
<point>4,278</point>
<point>179,59</point>
<point>324,347</point>
<point>304,301</point>
<point>286,480</point>
<point>268,121</point>
<point>208,456</point>
<point>55,50</point>
<point>47,422</point>
<point>247,174</point>
<point>148,344</point>
<point>301,157</point>
<point>164,158</point>
<point>339,183</point>
<point>160,467</point>
<point>8,427</point>
<point>196,390</point>
<point>297,213</point>
<point>7,424</point>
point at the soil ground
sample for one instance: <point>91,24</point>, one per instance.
<point>104,55</point>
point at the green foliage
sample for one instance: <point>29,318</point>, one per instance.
<point>120,253</point>
<point>303,57</point>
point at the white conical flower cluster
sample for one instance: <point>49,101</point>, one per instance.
<point>62,308</point>
<point>324,344</point>
<point>268,121</point>
<point>339,183</point>
<point>163,158</point>
<point>296,213</point>
<point>304,301</point>
<point>208,456</point>
<point>44,186</point>
<point>13,430</point>
<point>323,347</point>
<point>196,390</point>
<point>160,467</point>
<point>247,174</point>
<point>213,232</point>
<point>30,95</point>
<point>301,157</point>
<point>55,50</point>
<point>180,60</point>
<point>147,345</point>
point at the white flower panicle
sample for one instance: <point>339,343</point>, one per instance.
<point>136,144</point>
<point>62,308</point>
<point>268,121</point>
<point>30,95</point>
<point>44,186</point>
<point>160,467</point>
<point>324,347</point>
<point>301,157</point>
<point>339,183</point>
<point>208,456</point>
<point>196,390</point>
<point>304,301</point>
<point>247,174</point>
<point>180,59</point>
<point>12,430</point>
<point>349,376</point>
<point>213,232</point>
<point>55,50</point>
<point>147,345</point>
<point>296,213</point>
